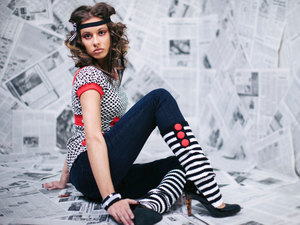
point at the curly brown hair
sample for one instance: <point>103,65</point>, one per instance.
<point>119,40</point>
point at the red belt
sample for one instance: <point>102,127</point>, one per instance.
<point>78,120</point>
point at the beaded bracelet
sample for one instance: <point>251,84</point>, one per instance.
<point>110,199</point>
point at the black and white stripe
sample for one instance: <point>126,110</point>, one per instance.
<point>110,199</point>
<point>168,191</point>
<point>192,159</point>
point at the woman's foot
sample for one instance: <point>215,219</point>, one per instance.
<point>224,210</point>
<point>221,206</point>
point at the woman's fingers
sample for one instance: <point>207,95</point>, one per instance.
<point>52,185</point>
<point>47,185</point>
<point>125,219</point>
<point>129,211</point>
<point>121,212</point>
<point>128,215</point>
<point>132,202</point>
<point>115,216</point>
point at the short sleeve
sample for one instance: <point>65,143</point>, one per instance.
<point>89,78</point>
<point>89,86</point>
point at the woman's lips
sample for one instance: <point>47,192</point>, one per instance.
<point>98,50</point>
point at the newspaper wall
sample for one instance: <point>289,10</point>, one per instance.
<point>232,65</point>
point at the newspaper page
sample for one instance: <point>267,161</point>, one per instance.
<point>213,6</point>
<point>291,42</point>
<point>192,99</point>
<point>7,105</point>
<point>6,39</point>
<point>247,87</point>
<point>64,126</point>
<point>22,55</point>
<point>144,30</point>
<point>59,69</point>
<point>44,82</point>
<point>261,92</point>
<point>32,88</point>
<point>143,81</point>
<point>202,7</point>
<point>141,13</point>
<point>180,79</point>
<point>276,149</point>
<point>226,49</point>
<point>186,40</point>
<point>56,25</point>
<point>245,20</point>
<point>22,200</point>
<point>268,35</point>
<point>225,43</point>
<point>208,26</point>
<point>64,8</point>
<point>121,7</point>
<point>178,219</point>
<point>9,28</point>
<point>273,87</point>
<point>33,130</point>
<point>287,115</point>
<point>205,82</point>
<point>211,130</point>
<point>260,208</point>
<point>174,56</point>
<point>179,43</point>
<point>224,118</point>
<point>36,11</point>
<point>144,41</point>
<point>16,221</point>
<point>176,9</point>
<point>270,22</point>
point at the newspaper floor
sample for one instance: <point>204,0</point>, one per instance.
<point>266,198</point>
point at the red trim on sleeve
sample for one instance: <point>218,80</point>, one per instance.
<point>76,75</point>
<point>90,86</point>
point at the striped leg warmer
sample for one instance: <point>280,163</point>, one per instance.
<point>168,191</point>
<point>184,145</point>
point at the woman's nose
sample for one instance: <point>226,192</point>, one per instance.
<point>96,41</point>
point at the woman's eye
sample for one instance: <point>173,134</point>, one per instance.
<point>87,36</point>
<point>102,32</point>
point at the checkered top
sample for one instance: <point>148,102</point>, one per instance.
<point>113,105</point>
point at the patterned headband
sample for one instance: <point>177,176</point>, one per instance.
<point>85,25</point>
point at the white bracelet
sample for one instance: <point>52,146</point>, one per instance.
<point>110,199</point>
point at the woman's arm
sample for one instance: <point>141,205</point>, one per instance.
<point>98,155</point>
<point>62,183</point>
<point>96,146</point>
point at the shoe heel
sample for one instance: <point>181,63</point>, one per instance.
<point>188,201</point>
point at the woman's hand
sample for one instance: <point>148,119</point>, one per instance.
<point>55,185</point>
<point>121,211</point>
<point>61,184</point>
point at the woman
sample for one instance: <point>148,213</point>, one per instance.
<point>106,140</point>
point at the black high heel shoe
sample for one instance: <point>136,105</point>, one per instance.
<point>191,193</point>
<point>228,210</point>
<point>144,215</point>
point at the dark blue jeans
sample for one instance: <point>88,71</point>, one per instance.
<point>125,141</point>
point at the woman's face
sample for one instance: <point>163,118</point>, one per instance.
<point>96,40</point>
